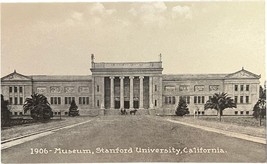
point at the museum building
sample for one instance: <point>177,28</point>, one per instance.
<point>132,85</point>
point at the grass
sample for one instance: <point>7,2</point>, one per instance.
<point>238,124</point>
<point>20,130</point>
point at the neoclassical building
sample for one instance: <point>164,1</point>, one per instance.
<point>132,85</point>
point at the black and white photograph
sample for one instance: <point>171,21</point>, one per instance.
<point>133,81</point>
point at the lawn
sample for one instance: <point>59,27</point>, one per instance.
<point>25,129</point>
<point>238,124</point>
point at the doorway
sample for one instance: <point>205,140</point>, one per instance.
<point>136,104</point>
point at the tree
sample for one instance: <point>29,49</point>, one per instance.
<point>182,108</point>
<point>219,102</point>
<point>73,110</point>
<point>38,106</point>
<point>5,113</point>
<point>259,109</point>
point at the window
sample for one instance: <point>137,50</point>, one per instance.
<point>10,89</point>
<point>20,89</point>
<point>83,100</point>
<point>247,87</point>
<point>170,100</point>
<point>203,99</point>
<point>236,97</point>
<point>198,99</point>
<point>241,87</point>
<point>203,112</point>
<point>55,113</point>
<point>236,112</point>
<point>195,99</point>
<point>247,99</point>
<point>155,102</point>
<point>20,113</point>
<point>68,100</point>
<point>241,112</point>
<point>16,113</point>
<point>97,88</point>
<point>236,87</point>
<point>188,99</point>
<point>16,101</point>
<point>247,112</point>
<point>10,100</point>
<point>15,89</point>
<point>98,103</point>
<point>241,99</point>
<point>55,100</point>
<point>20,100</point>
<point>156,88</point>
<point>66,113</point>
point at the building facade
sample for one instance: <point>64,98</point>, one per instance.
<point>132,85</point>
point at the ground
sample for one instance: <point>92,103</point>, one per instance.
<point>131,132</point>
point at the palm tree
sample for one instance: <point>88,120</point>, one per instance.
<point>219,102</point>
<point>38,106</point>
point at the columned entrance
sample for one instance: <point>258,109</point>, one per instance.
<point>129,92</point>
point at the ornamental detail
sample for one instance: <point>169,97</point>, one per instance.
<point>41,90</point>
<point>84,89</point>
<point>184,88</point>
<point>214,87</point>
<point>69,89</point>
<point>199,88</point>
<point>55,89</point>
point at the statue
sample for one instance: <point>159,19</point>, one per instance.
<point>92,58</point>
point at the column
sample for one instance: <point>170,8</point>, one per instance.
<point>111,92</point>
<point>121,93</point>
<point>103,94</point>
<point>131,92</point>
<point>93,92</point>
<point>151,92</point>
<point>141,98</point>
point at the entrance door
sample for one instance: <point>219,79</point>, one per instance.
<point>136,104</point>
<point>126,104</point>
<point>117,104</point>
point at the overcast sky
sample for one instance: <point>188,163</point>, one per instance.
<point>197,37</point>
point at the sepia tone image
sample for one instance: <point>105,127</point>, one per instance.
<point>95,82</point>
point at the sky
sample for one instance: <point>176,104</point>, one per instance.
<point>193,37</point>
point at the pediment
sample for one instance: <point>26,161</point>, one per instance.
<point>15,77</point>
<point>242,74</point>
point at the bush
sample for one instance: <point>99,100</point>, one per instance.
<point>73,110</point>
<point>182,108</point>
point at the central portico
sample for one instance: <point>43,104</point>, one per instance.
<point>133,85</point>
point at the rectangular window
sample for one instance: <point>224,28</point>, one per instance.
<point>173,100</point>
<point>10,89</point>
<point>66,100</point>
<point>73,99</point>
<point>20,89</point>
<point>188,99</point>
<point>16,113</point>
<point>198,99</point>
<point>20,100</point>
<point>236,98</point>
<point>84,100</point>
<point>156,88</point>
<point>247,87</point>
<point>10,100</point>
<point>80,100</point>
<point>241,112</point>
<point>87,100</point>
<point>20,113</point>
<point>97,103</point>
<point>236,87</point>
<point>241,87</point>
<point>97,88</point>
<point>195,99</point>
<point>15,89</point>
<point>155,102</point>
<point>241,99</point>
<point>203,99</point>
<point>16,101</point>
<point>247,112</point>
<point>203,112</point>
<point>59,100</point>
<point>247,99</point>
<point>236,112</point>
<point>66,113</point>
<point>51,100</point>
<point>69,100</point>
<point>55,100</point>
